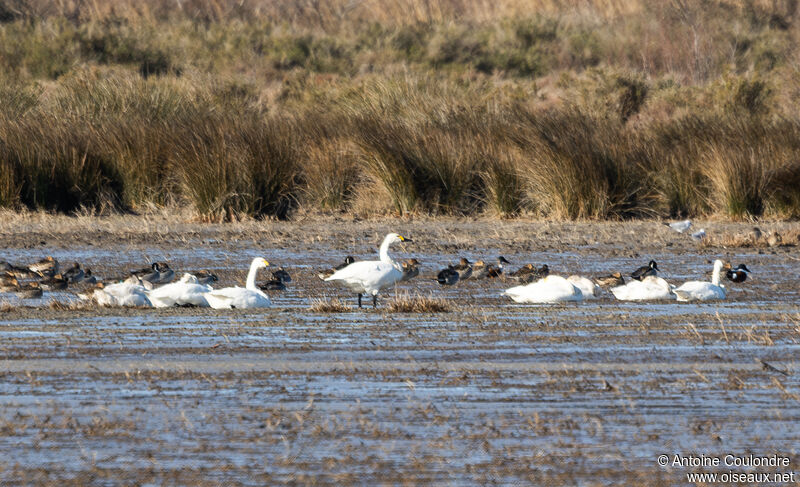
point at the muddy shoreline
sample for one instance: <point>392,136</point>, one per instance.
<point>489,392</point>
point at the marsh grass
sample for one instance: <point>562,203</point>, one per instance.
<point>332,305</point>
<point>252,109</point>
<point>418,304</point>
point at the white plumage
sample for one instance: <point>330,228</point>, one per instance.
<point>184,292</point>
<point>588,288</point>
<point>649,288</point>
<point>681,227</point>
<point>241,297</point>
<point>372,276</point>
<point>122,294</point>
<point>550,289</point>
<point>702,290</point>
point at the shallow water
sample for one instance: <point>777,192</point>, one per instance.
<point>492,392</point>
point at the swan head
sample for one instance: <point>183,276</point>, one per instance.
<point>259,263</point>
<point>395,238</point>
<point>718,265</point>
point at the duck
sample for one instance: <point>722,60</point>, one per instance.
<point>739,274</point>
<point>245,297</point>
<point>186,292</point>
<point>46,267</point>
<point>548,290</point>
<point>55,283</point>
<point>89,278</point>
<point>464,269</point>
<point>370,277</point>
<point>74,274</point>
<point>30,290</point>
<point>410,269</point>
<point>612,280</point>
<point>649,288</point>
<point>8,282</point>
<point>482,270</point>
<point>326,273</point>
<point>206,277</point>
<point>650,269</point>
<point>529,273</point>
<point>702,290</point>
<point>589,289</point>
<point>278,282</point>
<point>124,293</point>
<point>447,276</point>
<point>157,273</point>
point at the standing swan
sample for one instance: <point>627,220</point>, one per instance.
<point>241,297</point>
<point>702,290</point>
<point>372,276</point>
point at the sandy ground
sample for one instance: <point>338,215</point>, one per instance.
<point>487,393</point>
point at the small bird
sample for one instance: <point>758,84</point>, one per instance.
<point>699,235</point>
<point>480,269</point>
<point>8,282</point>
<point>410,269</point>
<point>157,273</point>
<point>739,274</point>
<point>529,273</point>
<point>614,279</point>
<point>278,282</point>
<point>650,269</point>
<point>54,283</point>
<point>46,267</point>
<point>447,276</point>
<point>29,291</point>
<point>74,274</point>
<point>89,278</point>
<point>464,269</point>
<point>680,227</point>
<point>497,271</point>
<point>326,273</point>
<point>205,277</point>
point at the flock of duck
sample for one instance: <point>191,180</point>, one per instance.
<point>155,286</point>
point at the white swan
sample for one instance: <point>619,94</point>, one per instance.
<point>372,276</point>
<point>184,292</point>
<point>702,290</point>
<point>241,297</point>
<point>122,294</point>
<point>589,289</point>
<point>550,289</point>
<point>649,288</point>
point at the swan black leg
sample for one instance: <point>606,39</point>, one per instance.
<point>374,301</point>
<point>359,300</point>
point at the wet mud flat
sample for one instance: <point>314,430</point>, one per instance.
<point>490,392</point>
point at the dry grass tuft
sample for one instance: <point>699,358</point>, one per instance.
<point>418,304</point>
<point>57,305</point>
<point>333,305</point>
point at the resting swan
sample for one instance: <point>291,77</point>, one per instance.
<point>649,288</point>
<point>122,294</point>
<point>589,289</point>
<point>187,291</point>
<point>550,289</point>
<point>702,290</point>
<point>241,297</point>
<point>372,276</point>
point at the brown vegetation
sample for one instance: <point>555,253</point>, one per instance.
<point>589,110</point>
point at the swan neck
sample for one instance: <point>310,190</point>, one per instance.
<point>384,251</point>
<point>251,277</point>
<point>715,275</point>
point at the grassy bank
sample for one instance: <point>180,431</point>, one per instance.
<point>563,111</point>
